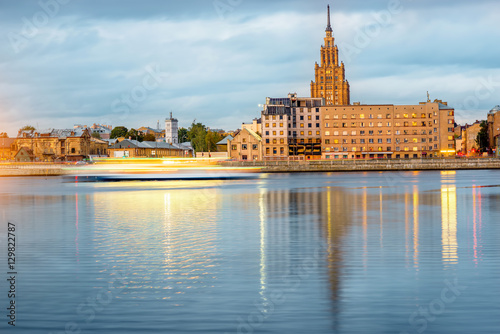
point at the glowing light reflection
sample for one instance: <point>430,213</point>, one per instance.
<point>449,224</point>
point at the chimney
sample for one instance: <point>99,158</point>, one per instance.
<point>170,115</point>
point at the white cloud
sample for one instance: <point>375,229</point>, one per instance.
<point>220,70</point>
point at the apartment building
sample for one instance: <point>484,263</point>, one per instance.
<point>387,131</point>
<point>291,128</point>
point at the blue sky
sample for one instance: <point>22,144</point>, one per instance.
<point>66,62</point>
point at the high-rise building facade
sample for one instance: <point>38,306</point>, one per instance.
<point>329,80</point>
<point>291,127</point>
<point>388,131</point>
<point>171,130</point>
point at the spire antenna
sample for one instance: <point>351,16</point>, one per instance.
<point>329,27</point>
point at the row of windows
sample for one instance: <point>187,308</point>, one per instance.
<point>380,132</point>
<point>380,116</point>
<point>379,149</point>
<point>380,140</point>
<point>294,133</point>
<point>275,141</point>
<point>308,110</point>
<point>294,118</point>
<point>244,147</point>
<point>379,124</point>
<point>275,150</point>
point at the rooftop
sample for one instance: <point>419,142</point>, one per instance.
<point>224,141</point>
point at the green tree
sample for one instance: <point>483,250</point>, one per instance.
<point>96,135</point>
<point>27,128</point>
<point>211,139</point>
<point>149,137</point>
<point>183,135</point>
<point>482,139</point>
<point>197,133</point>
<point>119,131</point>
<point>4,135</point>
<point>135,135</point>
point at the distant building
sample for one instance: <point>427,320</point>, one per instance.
<point>104,131</point>
<point>329,79</point>
<point>24,155</point>
<point>134,149</point>
<point>222,145</point>
<point>255,126</point>
<point>158,133</point>
<point>246,145</point>
<point>493,125</point>
<point>171,130</point>
<point>7,148</point>
<point>98,148</point>
<point>497,148</point>
<point>56,144</point>
<point>471,132</point>
<point>187,148</point>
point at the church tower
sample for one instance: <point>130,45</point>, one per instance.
<point>330,82</point>
<point>171,130</point>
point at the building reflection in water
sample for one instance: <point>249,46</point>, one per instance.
<point>153,235</point>
<point>477,223</point>
<point>415,226</point>
<point>298,224</point>
<point>449,218</point>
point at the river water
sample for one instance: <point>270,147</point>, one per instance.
<point>408,252</point>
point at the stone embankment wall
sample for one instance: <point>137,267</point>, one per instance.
<point>368,165</point>
<point>297,166</point>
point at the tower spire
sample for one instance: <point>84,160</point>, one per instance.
<point>329,27</point>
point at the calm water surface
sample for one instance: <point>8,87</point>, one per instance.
<point>306,253</point>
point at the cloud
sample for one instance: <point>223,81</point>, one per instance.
<point>220,68</point>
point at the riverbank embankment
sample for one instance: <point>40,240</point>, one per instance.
<point>369,165</point>
<point>34,169</point>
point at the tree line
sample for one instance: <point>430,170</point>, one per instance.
<point>201,138</point>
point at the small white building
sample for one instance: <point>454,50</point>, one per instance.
<point>171,130</point>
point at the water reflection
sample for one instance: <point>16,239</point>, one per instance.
<point>449,218</point>
<point>415,226</point>
<point>200,256</point>
<point>449,224</point>
<point>155,236</point>
<point>477,223</point>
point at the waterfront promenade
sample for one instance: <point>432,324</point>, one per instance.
<point>45,169</point>
<point>369,165</point>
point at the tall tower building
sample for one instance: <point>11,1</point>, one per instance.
<point>171,130</point>
<point>330,82</point>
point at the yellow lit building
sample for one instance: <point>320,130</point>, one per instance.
<point>56,144</point>
<point>388,131</point>
<point>291,128</point>
<point>246,145</point>
<point>493,126</point>
<point>471,132</point>
<point>329,80</point>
